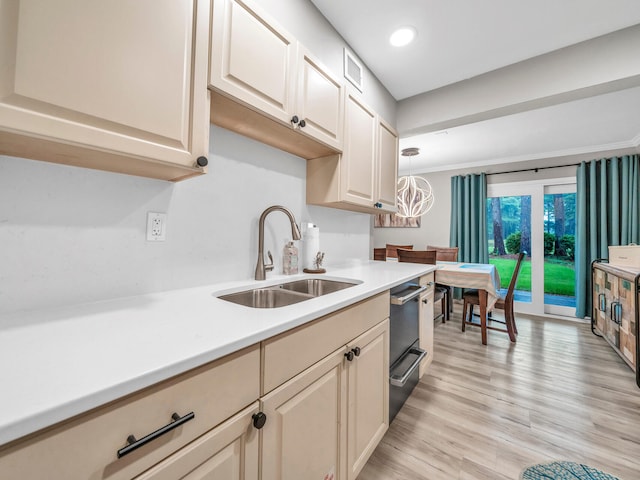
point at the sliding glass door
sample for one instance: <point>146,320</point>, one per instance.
<point>537,218</point>
<point>559,247</point>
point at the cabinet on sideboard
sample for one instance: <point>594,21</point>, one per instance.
<point>615,310</point>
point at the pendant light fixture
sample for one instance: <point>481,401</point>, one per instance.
<point>415,196</point>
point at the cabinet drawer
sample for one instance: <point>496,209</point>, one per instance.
<point>428,279</point>
<point>86,446</point>
<point>287,354</point>
<point>229,452</point>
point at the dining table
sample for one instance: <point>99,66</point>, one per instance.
<point>481,276</point>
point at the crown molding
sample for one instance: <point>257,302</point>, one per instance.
<point>591,149</point>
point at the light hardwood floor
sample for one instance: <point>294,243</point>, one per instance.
<point>487,412</point>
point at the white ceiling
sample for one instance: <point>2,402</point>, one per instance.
<point>460,39</point>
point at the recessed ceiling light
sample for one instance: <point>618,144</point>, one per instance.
<point>402,36</point>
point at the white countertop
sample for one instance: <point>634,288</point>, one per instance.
<point>57,363</point>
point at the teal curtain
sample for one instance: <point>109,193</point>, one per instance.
<point>607,213</point>
<point>468,227</point>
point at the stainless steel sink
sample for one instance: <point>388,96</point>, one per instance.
<point>286,293</point>
<point>265,298</point>
<point>316,286</point>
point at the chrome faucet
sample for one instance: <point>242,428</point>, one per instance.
<point>261,268</point>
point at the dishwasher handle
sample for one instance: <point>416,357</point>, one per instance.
<point>400,380</point>
<point>410,296</point>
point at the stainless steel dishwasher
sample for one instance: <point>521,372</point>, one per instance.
<point>404,352</point>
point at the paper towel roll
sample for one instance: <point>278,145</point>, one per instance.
<point>311,246</point>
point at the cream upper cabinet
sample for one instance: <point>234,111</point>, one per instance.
<point>119,87</point>
<point>358,167</point>
<point>252,59</point>
<point>364,177</point>
<point>387,166</point>
<point>268,86</point>
<point>319,101</point>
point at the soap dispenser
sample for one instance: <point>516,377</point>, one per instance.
<point>290,259</point>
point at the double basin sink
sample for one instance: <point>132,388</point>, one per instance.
<point>286,293</point>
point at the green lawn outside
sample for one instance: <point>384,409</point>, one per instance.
<point>559,277</point>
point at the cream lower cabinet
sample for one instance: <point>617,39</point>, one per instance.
<point>90,446</point>
<point>228,452</point>
<point>425,321</point>
<point>363,178</point>
<point>322,387</point>
<point>267,86</point>
<point>305,433</point>
<point>368,396</point>
<point>326,421</point>
<point>112,86</point>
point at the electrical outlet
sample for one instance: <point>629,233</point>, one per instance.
<point>156,227</point>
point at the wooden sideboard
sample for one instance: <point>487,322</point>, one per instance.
<point>615,310</point>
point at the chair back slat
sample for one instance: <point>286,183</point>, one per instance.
<point>380,254</point>
<point>445,254</point>
<point>514,279</point>
<point>392,250</point>
<point>417,256</point>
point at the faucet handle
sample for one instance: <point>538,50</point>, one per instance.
<point>269,266</point>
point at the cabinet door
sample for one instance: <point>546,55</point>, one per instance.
<point>425,325</point>
<point>320,101</point>
<point>600,299</point>
<point>305,433</point>
<point>368,396</point>
<point>358,160</point>
<point>252,58</point>
<point>387,166</point>
<point>625,320</point>
<point>107,77</point>
<point>228,452</point>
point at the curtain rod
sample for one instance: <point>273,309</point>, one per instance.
<point>534,169</point>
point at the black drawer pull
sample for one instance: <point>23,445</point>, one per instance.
<point>135,444</point>
<point>603,302</point>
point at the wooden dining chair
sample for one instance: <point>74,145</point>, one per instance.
<point>505,303</point>
<point>446,254</point>
<point>380,254</point>
<point>392,250</point>
<point>428,257</point>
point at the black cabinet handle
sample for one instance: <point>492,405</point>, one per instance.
<point>295,120</point>
<point>259,419</point>
<point>202,161</point>
<point>616,312</point>
<point>603,302</point>
<point>377,205</point>
<point>349,355</point>
<point>425,301</point>
<point>302,124</point>
<point>356,351</point>
<point>135,444</point>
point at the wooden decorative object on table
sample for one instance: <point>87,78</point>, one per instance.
<point>318,263</point>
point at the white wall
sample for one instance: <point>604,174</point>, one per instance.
<point>71,235</point>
